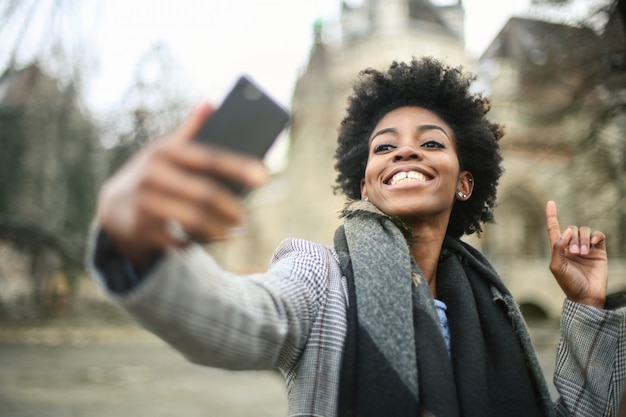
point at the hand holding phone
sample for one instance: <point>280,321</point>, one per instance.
<point>248,122</point>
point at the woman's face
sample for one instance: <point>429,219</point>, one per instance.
<point>413,169</point>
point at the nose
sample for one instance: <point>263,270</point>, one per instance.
<point>405,153</point>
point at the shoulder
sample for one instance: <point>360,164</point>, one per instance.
<point>312,264</point>
<point>304,253</point>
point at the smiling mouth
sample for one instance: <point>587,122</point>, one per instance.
<point>404,177</point>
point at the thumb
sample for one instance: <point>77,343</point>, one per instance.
<point>193,122</point>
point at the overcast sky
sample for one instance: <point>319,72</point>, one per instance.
<point>214,41</point>
<point>211,41</point>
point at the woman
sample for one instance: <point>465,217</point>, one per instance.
<point>399,317</point>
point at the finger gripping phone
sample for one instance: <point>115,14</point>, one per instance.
<point>248,122</point>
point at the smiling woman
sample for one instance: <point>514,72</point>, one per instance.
<point>399,317</point>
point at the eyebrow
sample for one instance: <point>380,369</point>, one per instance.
<point>383,131</point>
<point>421,128</point>
<point>424,128</point>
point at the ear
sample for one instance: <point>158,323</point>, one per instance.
<point>363,190</point>
<point>465,186</point>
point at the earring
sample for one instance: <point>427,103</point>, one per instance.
<point>461,195</point>
<point>366,199</point>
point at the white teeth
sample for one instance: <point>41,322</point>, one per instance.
<point>407,176</point>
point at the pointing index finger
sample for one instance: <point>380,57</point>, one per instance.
<point>554,230</point>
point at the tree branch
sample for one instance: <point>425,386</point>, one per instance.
<point>34,237</point>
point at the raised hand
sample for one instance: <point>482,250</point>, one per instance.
<point>172,181</point>
<point>579,260</point>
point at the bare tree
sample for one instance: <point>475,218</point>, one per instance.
<point>152,106</point>
<point>52,154</point>
<point>52,33</point>
<point>47,141</point>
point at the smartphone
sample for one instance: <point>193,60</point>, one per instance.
<point>248,122</point>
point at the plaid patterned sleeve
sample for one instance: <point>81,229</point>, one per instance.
<point>218,318</point>
<point>591,361</point>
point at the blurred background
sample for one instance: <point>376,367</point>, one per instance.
<point>85,84</point>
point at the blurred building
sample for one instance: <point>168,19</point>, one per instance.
<point>300,201</point>
<point>558,89</point>
<point>47,190</point>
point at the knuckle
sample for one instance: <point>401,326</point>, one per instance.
<point>142,208</point>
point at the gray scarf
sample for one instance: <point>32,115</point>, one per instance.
<point>395,361</point>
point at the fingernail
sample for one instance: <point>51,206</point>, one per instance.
<point>574,249</point>
<point>584,250</point>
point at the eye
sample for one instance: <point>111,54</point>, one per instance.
<point>383,147</point>
<point>433,144</point>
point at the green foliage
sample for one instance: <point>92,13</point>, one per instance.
<point>11,150</point>
<point>47,165</point>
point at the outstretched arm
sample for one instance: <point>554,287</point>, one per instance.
<point>579,260</point>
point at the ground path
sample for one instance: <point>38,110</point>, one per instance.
<point>66,368</point>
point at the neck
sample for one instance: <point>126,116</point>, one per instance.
<point>426,250</point>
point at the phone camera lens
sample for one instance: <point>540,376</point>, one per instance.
<point>251,93</point>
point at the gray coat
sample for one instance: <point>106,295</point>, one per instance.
<point>293,318</point>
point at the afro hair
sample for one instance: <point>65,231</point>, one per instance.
<point>444,90</point>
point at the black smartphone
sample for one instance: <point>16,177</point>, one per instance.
<point>248,121</point>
